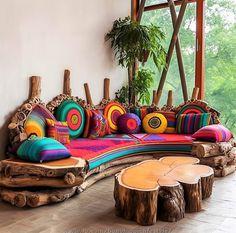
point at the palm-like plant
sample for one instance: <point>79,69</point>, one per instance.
<point>131,41</point>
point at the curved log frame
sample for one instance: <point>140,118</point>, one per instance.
<point>22,198</point>
<point>17,134</point>
<point>16,127</point>
<point>204,105</point>
<point>57,101</point>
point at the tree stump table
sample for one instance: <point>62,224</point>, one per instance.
<point>162,189</point>
<point>34,184</point>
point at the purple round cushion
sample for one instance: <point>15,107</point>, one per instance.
<point>129,123</point>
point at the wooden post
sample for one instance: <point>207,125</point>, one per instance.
<point>134,9</point>
<point>165,5</point>
<point>199,70</point>
<point>88,95</point>
<point>172,44</point>
<point>158,97</point>
<point>35,87</point>
<point>107,88</point>
<point>66,86</point>
<point>154,93</point>
<point>140,10</point>
<point>195,93</point>
<point>179,53</point>
<point>170,99</point>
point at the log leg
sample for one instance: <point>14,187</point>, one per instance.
<point>207,185</point>
<point>171,204</point>
<point>193,197</point>
<point>140,206</point>
<point>15,198</point>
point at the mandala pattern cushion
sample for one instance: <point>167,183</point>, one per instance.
<point>74,115</point>
<point>154,123</point>
<point>112,111</point>
<point>213,133</point>
<point>190,123</point>
<point>99,126</point>
<point>38,149</point>
<point>58,130</point>
<point>129,123</point>
<point>35,123</point>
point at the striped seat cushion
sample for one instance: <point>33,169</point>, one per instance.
<point>37,149</point>
<point>58,130</point>
<point>190,123</point>
<point>213,133</point>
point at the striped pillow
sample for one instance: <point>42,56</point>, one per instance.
<point>213,133</point>
<point>171,121</point>
<point>190,123</point>
<point>38,149</point>
<point>58,130</point>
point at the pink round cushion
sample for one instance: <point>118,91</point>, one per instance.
<point>129,123</point>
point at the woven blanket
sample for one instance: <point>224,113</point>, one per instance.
<point>103,150</point>
<point>160,138</point>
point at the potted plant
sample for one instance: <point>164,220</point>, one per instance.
<point>140,86</point>
<point>131,41</point>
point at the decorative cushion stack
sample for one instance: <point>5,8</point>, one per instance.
<point>218,149</point>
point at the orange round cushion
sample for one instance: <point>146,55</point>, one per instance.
<point>112,111</point>
<point>154,123</point>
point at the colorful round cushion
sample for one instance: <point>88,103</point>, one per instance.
<point>154,123</point>
<point>35,123</point>
<point>112,111</point>
<point>129,123</point>
<point>74,115</point>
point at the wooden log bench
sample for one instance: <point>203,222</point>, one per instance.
<point>34,184</point>
<point>162,189</point>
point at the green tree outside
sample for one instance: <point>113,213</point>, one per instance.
<point>220,55</point>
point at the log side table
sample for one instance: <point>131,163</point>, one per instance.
<point>162,189</point>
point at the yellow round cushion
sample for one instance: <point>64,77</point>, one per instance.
<point>154,123</point>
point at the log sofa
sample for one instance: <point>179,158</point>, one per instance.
<point>108,155</point>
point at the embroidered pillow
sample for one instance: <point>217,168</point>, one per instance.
<point>213,133</point>
<point>99,125</point>
<point>58,131</point>
<point>129,123</point>
<point>154,123</point>
<point>190,123</point>
<point>38,149</point>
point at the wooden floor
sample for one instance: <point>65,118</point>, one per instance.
<point>93,211</point>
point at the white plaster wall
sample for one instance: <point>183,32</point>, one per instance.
<point>43,37</point>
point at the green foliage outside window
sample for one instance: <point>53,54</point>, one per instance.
<point>220,55</point>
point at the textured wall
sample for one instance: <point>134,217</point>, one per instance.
<point>45,37</point>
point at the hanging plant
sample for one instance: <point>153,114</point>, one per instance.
<point>131,40</point>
